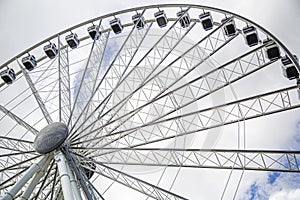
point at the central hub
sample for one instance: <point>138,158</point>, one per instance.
<point>51,137</point>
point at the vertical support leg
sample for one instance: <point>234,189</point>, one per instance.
<point>35,180</point>
<point>30,172</point>
<point>64,176</point>
<point>74,184</point>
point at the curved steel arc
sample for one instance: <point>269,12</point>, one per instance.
<point>269,34</point>
<point>233,112</point>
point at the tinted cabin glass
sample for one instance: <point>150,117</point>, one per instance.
<point>273,53</point>
<point>252,39</point>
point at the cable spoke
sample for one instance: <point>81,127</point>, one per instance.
<point>35,180</point>
<point>133,182</point>
<point>254,107</point>
<point>156,49</point>
<point>96,55</point>
<point>18,120</point>
<point>13,144</point>
<point>15,154</point>
<point>158,77</point>
<point>36,94</point>
<point>10,179</point>
<point>202,86</point>
<point>19,163</point>
<point>116,70</point>
<point>44,181</point>
<point>197,121</point>
<point>112,71</point>
<point>127,65</point>
<point>144,74</point>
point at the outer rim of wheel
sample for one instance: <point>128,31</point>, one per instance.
<point>161,6</point>
<point>266,32</point>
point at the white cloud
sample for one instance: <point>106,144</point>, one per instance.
<point>286,195</point>
<point>17,34</point>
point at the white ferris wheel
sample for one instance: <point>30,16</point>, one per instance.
<point>143,103</point>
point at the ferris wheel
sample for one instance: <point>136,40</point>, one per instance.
<point>143,103</point>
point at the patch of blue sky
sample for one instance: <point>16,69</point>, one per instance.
<point>255,193</point>
<point>294,144</point>
<point>109,54</point>
<point>273,176</point>
<point>277,181</point>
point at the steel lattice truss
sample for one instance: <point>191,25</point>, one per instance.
<point>284,161</point>
<point>141,100</point>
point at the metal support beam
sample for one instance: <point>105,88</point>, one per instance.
<point>36,94</point>
<point>39,174</point>
<point>257,160</point>
<point>134,183</point>
<point>199,50</point>
<point>74,184</point>
<point>64,176</point>
<point>80,177</point>
<point>31,171</point>
<point>64,83</point>
<point>18,120</point>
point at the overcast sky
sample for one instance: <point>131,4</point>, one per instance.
<point>25,23</point>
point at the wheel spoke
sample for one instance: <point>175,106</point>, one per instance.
<point>123,58</point>
<point>19,164</point>
<point>136,71</point>
<point>159,89</point>
<point>106,102</point>
<point>245,109</point>
<point>262,160</point>
<point>35,180</point>
<point>134,183</point>
<point>15,154</point>
<point>155,76</point>
<point>201,91</point>
<point>112,71</point>
<point>36,95</point>
<point>44,181</point>
<point>15,145</point>
<point>11,179</point>
<point>35,168</point>
<point>18,120</point>
<point>63,83</point>
<point>91,71</point>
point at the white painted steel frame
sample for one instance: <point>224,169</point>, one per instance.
<point>84,132</point>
